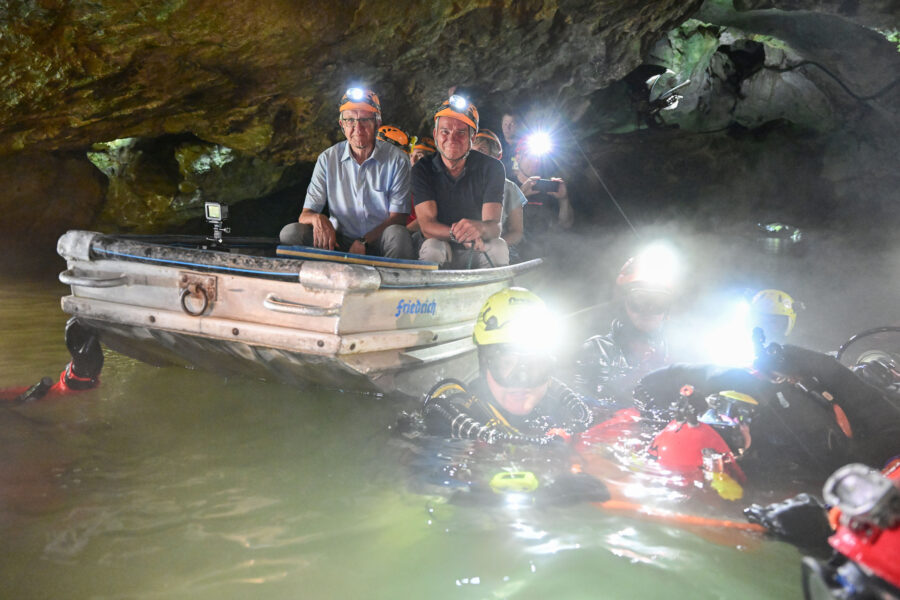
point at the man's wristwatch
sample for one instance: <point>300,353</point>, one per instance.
<point>363,241</point>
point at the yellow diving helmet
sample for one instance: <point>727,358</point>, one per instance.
<point>777,308</point>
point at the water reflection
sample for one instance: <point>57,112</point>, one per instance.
<point>168,483</point>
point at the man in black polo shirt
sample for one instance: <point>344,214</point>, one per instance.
<point>458,194</point>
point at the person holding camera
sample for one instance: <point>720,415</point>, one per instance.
<point>548,207</point>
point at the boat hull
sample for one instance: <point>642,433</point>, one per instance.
<point>307,323</point>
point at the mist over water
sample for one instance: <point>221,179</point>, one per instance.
<point>171,483</point>
<point>847,281</point>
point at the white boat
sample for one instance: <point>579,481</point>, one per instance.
<point>303,316</point>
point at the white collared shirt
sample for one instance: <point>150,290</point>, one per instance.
<point>360,196</point>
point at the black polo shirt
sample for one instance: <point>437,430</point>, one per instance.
<point>480,181</point>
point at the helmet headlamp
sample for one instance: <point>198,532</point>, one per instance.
<point>357,98</point>
<point>458,102</point>
<point>864,496</point>
<point>459,108</point>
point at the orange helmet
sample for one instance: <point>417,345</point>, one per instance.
<point>487,133</point>
<point>493,141</point>
<point>459,108</point>
<point>426,144</point>
<point>360,99</point>
<point>647,281</point>
<point>633,277</point>
<point>395,136</point>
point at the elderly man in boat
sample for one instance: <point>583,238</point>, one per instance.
<point>459,194</point>
<point>364,183</point>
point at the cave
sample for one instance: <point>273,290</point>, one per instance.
<point>761,136</point>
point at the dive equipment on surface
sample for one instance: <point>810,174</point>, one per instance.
<point>514,481</point>
<point>867,538</point>
<point>865,497</point>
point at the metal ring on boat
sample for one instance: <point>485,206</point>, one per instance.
<point>69,278</point>
<point>295,308</point>
<point>187,292</point>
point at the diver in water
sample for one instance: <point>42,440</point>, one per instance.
<point>501,437</point>
<point>82,372</point>
<point>516,398</point>
<point>609,366</point>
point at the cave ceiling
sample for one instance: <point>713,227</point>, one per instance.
<point>264,76</point>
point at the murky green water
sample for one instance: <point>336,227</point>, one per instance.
<point>169,483</point>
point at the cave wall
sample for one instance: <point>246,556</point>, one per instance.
<point>787,115</point>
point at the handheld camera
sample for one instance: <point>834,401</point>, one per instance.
<point>546,185</point>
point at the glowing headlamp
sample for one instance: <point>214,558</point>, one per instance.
<point>658,264</point>
<point>864,496</point>
<point>536,330</point>
<point>356,94</point>
<point>539,144</point>
<point>728,339</point>
<point>458,102</point>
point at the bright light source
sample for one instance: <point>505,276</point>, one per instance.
<point>536,330</point>
<point>730,342</point>
<point>517,500</point>
<point>658,264</point>
<point>539,143</point>
<point>356,94</point>
<point>458,102</point>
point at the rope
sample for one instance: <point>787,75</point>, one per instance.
<point>600,179</point>
<point>472,256</point>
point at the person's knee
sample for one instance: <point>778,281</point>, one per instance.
<point>296,234</point>
<point>396,242</point>
<point>498,251</point>
<point>436,251</point>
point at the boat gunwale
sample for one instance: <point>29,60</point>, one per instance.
<point>133,248</point>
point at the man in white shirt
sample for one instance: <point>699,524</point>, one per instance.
<point>364,183</point>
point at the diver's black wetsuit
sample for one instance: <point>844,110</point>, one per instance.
<point>813,412</point>
<point>475,416</point>
<point>609,366</point>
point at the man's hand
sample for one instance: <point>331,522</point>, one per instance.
<point>560,193</point>
<point>357,247</point>
<point>324,235</point>
<point>467,230</point>
<point>528,186</point>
